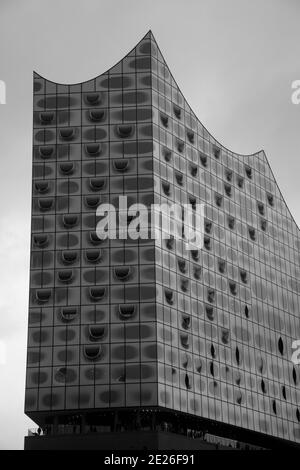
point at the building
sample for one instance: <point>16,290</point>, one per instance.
<point>142,343</point>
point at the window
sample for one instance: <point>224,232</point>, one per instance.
<point>197,272</point>
<point>92,98</point>
<point>193,201</point>
<point>67,133</point>
<point>270,199</point>
<point>207,242</point>
<point>45,204</point>
<point>233,287</point>
<point>41,187</point>
<point>169,296</point>
<point>167,154</point>
<point>96,184</point>
<point>166,188</point>
<point>222,265</point>
<point>180,145</point>
<point>218,199</point>
<point>228,174</point>
<point>263,224</point>
<point>216,152</point>
<point>179,178</point>
<point>40,240</point>
<point>184,339</point>
<point>187,382</point>
<point>280,346</point>
<point>191,136</point>
<point>164,120</point>
<point>68,314</point>
<point>237,355</point>
<point>122,273</point>
<point>170,242</point>
<point>70,220</point>
<point>252,234</point>
<point>94,239</point>
<point>261,208</point>
<point>65,276</point>
<point>96,115</point>
<point>124,131</point>
<point>97,293</point>
<point>93,150</point>
<point>121,165</point>
<point>209,312</point>
<point>294,376</point>
<point>126,311</point>
<point>207,226</point>
<point>210,295</point>
<point>231,222</point>
<point>43,295</point>
<point>244,276</point>
<point>93,256</point>
<point>177,111</point>
<point>227,189</point>
<point>225,336</point>
<point>181,265</point>
<point>69,257</point>
<point>66,168</point>
<point>248,171</point>
<point>240,181</point>
<point>203,159</point>
<point>92,352</point>
<point>193,169</point>
<point>186,322</point>
<point>92,201</point>
<point>96,332</point>
<point>46,117</point>
<point>184,284</point>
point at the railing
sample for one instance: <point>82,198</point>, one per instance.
<point>70,429</point>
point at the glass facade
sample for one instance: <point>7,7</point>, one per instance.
<point>145,323</point>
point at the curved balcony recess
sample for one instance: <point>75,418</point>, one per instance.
<point>68,314</point>
<point>92,352</point>
<point>93,150</point>
<point>97,293</point>
<point>97,184</point>
<point>69,257</point>
<point>96,332</point>
<point>126,311</point>
<point>122,273</point>
<point>67,133</point>
<point>40,240</point>
<point>70,220</point>
<point>93,256</point>
<point>96,115</point>
<point>46,151</point>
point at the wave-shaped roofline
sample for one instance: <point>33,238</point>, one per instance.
<point>257,154</point>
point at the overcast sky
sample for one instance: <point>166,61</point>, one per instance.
<point>234,60</point>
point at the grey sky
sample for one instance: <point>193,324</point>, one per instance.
<point>234,61</point>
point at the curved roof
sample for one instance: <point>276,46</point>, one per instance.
<point>149,37</point>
